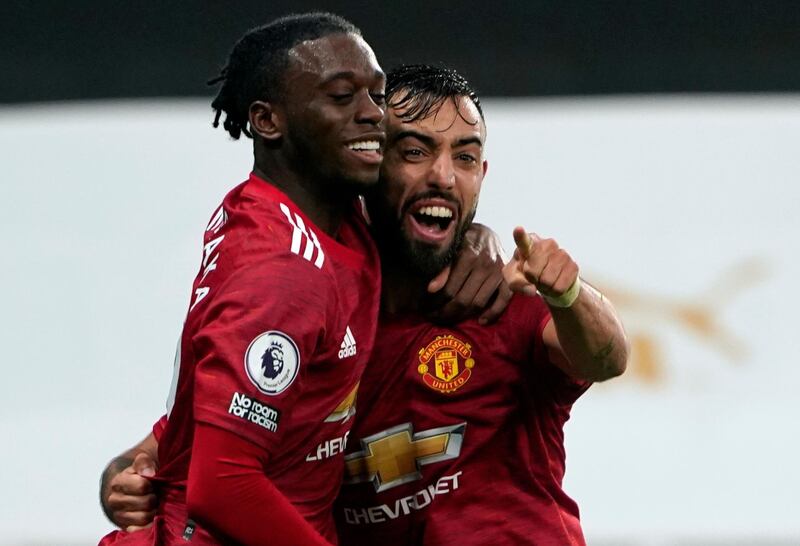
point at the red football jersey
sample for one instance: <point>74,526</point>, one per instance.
<point>459,437</point>
<point>281,323</point>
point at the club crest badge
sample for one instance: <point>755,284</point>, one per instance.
<point>272,362</point>
<point>446,363</point>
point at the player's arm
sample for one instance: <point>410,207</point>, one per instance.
<point>474,282</point>
<point>585,338</point>
<point>126,494</point>
<point>228,489</point>
<point>229,493</point>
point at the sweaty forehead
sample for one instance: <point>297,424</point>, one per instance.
<point>333,54</point>
<point>456,117</point>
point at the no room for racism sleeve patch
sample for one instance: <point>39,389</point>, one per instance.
<point>254,411</point>
<point>272,362</point>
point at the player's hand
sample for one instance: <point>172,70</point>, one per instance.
<point>131,501</point>
<point>474,282</point>
<point>539,265</point>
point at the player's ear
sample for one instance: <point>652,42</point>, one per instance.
<point>265,121</point>
<point>485,167</point>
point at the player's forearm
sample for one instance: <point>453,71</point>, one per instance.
<point>229,494</point>
<point>591,336</point>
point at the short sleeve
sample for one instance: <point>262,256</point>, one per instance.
<point>257,335</point>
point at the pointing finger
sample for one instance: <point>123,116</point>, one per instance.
<point>523,242</point>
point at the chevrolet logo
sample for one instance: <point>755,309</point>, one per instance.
<point>396,455</point>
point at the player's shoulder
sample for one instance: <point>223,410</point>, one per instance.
<point>261,211</point>
<point>252,246</point>
<point>262,225</point>
<point>518,331</point>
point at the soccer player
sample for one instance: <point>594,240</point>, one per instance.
<point>288,272</point>
<point>459,433</point>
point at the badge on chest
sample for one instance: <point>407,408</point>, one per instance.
<point>446,363</point>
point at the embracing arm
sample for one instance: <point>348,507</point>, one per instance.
<point>585,338</point>
<point>473,283</point>
<point>229,493</point>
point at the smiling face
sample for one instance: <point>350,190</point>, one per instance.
<point>429,186</point>
<point>333,97</point>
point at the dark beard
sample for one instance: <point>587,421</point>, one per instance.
<point>417,258</point>
<point>426,260</point>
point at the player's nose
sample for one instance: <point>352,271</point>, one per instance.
<point>368,111</point>
<point>442,175</point>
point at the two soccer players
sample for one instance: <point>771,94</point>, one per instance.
<point>441,409</point>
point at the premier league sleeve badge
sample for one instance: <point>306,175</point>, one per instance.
<point>272,362</point>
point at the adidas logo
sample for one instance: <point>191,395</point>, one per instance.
<point>348,345</point>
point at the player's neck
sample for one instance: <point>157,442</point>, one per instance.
<point>402,290</point>
<point>325,208</point>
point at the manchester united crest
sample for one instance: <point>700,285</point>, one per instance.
<point>446,363</point>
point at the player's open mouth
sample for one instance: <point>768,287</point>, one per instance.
<point>368,150</point>
<point>432,220</point>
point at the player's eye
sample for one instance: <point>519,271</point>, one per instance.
<point>413,153</point>
<point>341,97</point>
<point>378,98</point>
<point>467,158</point>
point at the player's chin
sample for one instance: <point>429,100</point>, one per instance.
<point>361,178</point>
<point>434,249</point>
<point>362,166</point>
<point>429,259</point>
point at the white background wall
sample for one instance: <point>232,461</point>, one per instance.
<point>683,208</point>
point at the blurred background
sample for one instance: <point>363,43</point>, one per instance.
<point>657,141</point>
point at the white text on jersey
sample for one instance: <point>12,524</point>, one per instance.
<point>254,411</point>
<point>329,448</point>
<point>404,505</point>
<point>210,256</point>
<point>218,220</point>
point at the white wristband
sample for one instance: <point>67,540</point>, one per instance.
<point>567,298</point>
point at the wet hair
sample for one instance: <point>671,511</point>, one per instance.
<point>257,63</point>
<point>419,90</point>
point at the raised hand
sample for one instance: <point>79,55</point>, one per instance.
<point>540,265</point>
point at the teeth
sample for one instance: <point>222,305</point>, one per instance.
<point>437,212</point>
<point>365,145</point>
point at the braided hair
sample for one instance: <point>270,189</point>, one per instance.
<point>257,62</point>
